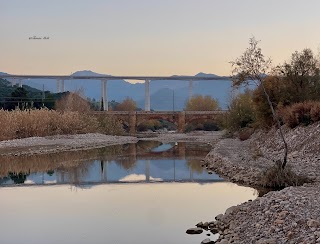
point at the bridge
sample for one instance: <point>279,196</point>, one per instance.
<point>133,118</point>
<point>18,79</point>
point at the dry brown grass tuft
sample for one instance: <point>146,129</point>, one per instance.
<point>301,113</point>
<point>278,178</point>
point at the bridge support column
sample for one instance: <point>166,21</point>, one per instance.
<point>190,89</point>
<point>147,95</point>
<point>13,82</point>
<point>20,82</point>
<point>132,123</point>
<point>62,85</point>
<point>147,170</point>
<point>182,150</point>
<point>58,86</point>
<point>104,97</point>
<point>181,121</point>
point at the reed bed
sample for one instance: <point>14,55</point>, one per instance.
<point>43,122</point>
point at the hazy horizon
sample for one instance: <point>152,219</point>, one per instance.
<point>147,37</point>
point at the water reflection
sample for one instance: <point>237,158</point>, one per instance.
<point>145,161</point>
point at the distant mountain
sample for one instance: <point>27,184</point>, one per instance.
<point>161,91</point>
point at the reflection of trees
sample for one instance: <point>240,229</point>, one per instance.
<point>76,173</point>
<point>195,165</point>
<point>57,161</point>
<point>143,146</point>
<point>18,178</point>
<point>126,162</point>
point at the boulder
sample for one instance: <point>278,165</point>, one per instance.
<point>207,241</point>
<point>194,231</point>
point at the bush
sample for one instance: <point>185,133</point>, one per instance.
<point>278,178</point>
<point>241,112</point>
<point>301,113</point>
<point>245,133</point>
<point>110,125</point>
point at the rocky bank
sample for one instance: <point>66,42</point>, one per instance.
<point>291,215</point>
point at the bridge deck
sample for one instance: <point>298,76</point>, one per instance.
<point>108,77</point>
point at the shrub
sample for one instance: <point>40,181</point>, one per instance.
<point>241,112</point>
<point>110,125</point>
<point>278,178</point>
<point>244,134</point>
<point>300,113</point>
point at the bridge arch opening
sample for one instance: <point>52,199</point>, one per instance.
<point>155,124</point>
<point>205,124</point>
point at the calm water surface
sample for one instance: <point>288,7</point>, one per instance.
<point>136,193</point>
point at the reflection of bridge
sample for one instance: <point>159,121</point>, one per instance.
<point>180,119</point>
<point>104,78</point>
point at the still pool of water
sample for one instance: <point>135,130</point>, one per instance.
<point>137,193</point>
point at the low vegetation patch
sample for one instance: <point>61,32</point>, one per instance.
<point>278,178</point>
<point>43,122</point>
<point>301,113</point>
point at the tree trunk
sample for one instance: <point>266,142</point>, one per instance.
<point>284,163</point>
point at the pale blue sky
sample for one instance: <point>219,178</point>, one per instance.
<point>149,37</point>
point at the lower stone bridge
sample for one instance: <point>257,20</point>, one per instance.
<point>180,118</point>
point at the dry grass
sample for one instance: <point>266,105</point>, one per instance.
<point>278,178</point>
<point>44,122</point>
<point>301,113</point>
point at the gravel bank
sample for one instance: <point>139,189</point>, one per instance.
<point>52,144</point>
<point>291,215</point>
<point>59,143</point>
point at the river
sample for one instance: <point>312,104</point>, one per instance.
<point>147,192</point>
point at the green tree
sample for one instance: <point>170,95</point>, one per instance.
<point>241,111</point>
<point>19,98</point>
<point>302,74</point>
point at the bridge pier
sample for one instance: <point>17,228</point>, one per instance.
<point>104,96</point>
<point>20,82</point>
<point>181,121</point>
<point>60,86</point>
<point>190,89</point>
<point>147,95</point>
<point>132,123</point>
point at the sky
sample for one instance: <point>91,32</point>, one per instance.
<point>150,37</point>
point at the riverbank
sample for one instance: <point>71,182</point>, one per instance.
<point>287,216</point>
<point>64,143</point>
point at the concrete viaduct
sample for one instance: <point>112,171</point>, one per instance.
<point>60,79</point>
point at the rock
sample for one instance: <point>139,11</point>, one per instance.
<point>214,230</point>
<point>194,231</point>
<point>267,241</point>
<point>230,210</point>
<point>223,241</point>
<point>200,224</point>
<point>205,225</point>
<point>207,241</point>
<point>279,221</point>
<point>313,223</point>
<point>219,217</point>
